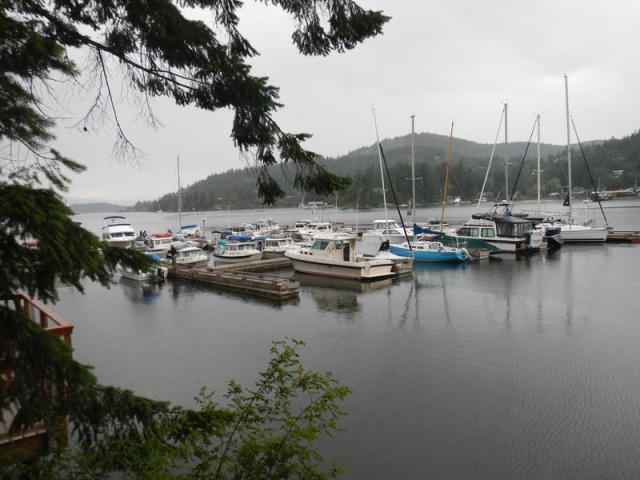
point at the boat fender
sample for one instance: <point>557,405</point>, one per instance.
<point>160,273</point>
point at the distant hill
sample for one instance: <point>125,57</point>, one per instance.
<point>96,207</point>
<point>236,189</point>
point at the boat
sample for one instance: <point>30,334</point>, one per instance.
<point>335,256</point>
<point>237,249</point>
<point>188,257</point>
<point>572,232</point>
<point>310,230</point>
<point>117,232</point>
<point>279,245</point>
<point>505,231</point>
<point>429,250</point>
<point>390,230</point>
<point>155,273</point>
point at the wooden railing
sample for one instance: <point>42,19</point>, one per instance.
<point>35,441</point>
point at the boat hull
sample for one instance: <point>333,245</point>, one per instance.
<point>237,258</point>
<point>362,270</point>
<point>430,252</point>
<point>582,234</point>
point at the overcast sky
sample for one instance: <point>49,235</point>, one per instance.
<point>444,62</point>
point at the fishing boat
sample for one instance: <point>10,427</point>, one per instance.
<point>335,256</point>
<point>155,273</point>
<point>117,231</point>
<point>237,249</point>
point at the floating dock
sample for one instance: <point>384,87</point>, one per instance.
<point>245,278</point>
<point>623,236</point>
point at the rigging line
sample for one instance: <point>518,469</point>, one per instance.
<point>524,157</point>
<point>393,192</point>
<point>584,157</point>
<point>486,176</point>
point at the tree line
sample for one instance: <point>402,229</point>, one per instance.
<point>612,164</point>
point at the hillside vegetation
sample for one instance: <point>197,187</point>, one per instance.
<point>614,164</point>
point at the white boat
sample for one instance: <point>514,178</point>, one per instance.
<point>155,273</point>
<point>189,257</point>
<point>335,256</point>
<point>571,231</point>
<point>279,245</point>
<point>117,232</point>
<point>159,243</point>
<point>237,249</point>
<point>389,230</point>
<point>311,230</point>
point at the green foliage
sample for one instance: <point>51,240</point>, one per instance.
<point>163,53</point>
<point>263,432</point>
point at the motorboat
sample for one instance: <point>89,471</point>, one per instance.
<point>117,232</point>
<point>237,249</point>
<point>155,273</point>
<point>279,245</point>
<point>189,257</point>
<point>335,256</point>
<point>308,232</point>
<point>498,227</point>
<point>389,230</point>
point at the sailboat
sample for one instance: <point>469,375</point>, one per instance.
<point>384,229</point>
<point>570,231</point>
<point>426,250</point>
<point>499,226</point>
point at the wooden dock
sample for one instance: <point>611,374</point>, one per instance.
<point>622,236</point>
<point>245,278</point>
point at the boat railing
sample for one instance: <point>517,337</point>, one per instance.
<point>36,440</point>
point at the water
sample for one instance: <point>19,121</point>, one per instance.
<point>513,368</point>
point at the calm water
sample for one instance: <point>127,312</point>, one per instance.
<point>510,368</point>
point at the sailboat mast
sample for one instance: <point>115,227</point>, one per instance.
<point>413,172</point>
<point>179,197</point>
<point>538,121</point>
<point>446,181</point>
<point>570,192</point>
<point>506,159</point>
<point>384,193</point>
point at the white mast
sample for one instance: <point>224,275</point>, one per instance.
<point>506,159</point>
<point>179,198</point>
<point>538,120</point>
<point>384,193</point>
<point>570,192</point>
<point>413,173</point>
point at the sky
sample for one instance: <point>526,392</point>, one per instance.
<point>447,63</point>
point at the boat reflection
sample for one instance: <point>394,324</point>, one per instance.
<point>141,292</point>
<point>336,294</point>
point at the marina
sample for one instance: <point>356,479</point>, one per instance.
<point>514,367</point>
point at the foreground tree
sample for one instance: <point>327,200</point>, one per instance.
<point>162,54</point>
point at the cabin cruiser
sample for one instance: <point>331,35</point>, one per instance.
<point>117,232</point>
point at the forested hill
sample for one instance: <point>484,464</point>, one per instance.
<point>613,164</point>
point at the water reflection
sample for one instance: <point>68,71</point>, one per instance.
<point>141,292</point>
<point>336,294</point>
